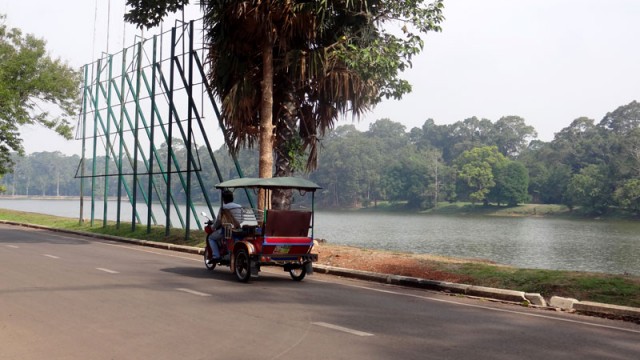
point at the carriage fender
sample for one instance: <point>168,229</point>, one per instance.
<point>243,244</point>
<point>251,250</point>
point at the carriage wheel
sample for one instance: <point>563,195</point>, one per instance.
<point>298,274</point>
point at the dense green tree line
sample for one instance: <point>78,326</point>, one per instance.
<point>421,167</point>
<point>594,166</point>
<point>42,174</point>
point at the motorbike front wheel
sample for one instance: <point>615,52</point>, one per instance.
<point>209,264</point>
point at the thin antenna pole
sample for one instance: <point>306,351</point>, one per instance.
<point>95,21</point>
<point>108,23</point>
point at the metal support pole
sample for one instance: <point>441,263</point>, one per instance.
<point>189,130</point>
<point>84,140</point>
<point>135,138</point>
<point>95,142</point>
<point>170,133</point>
<point>107,146</point>
<point>120,136</point>
<point>152,138</point>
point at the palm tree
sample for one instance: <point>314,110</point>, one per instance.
<point>314,85</point>
<point>243,37</point>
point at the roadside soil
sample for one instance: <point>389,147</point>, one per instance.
<point>389,262</point>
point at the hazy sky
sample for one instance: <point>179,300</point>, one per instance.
<point>549,61</point>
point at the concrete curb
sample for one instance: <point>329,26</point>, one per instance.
<point>444,286</point>
<point>512,296</point>
<point>594,308</point>
<point>624,312</point>
<point>562,303</point>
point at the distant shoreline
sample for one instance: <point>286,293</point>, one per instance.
<point>39,197</point>
<point>51,197</point>
<point>454,209</point>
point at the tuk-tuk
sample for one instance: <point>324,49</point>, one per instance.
<point>266,237</point>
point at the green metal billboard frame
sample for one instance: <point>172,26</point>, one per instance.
<point>127,98</point>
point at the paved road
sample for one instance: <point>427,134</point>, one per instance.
<point>69,297</point>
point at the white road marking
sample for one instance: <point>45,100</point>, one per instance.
<point>193,292</point>
<point>51,256</point>
<point>13,246</point>
<point>483,307</point>
<point>343,329</point>
<point>138,248</point>
<point>108,271</point>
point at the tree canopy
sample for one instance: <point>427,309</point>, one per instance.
<point>285,70</point>
<point>34,89</point>
<point>325,58</point>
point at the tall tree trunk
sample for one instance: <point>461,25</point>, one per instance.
<point>266,118</point>
<point>281,199</point>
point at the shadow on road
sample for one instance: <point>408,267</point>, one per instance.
<point>224,273</point>
<point>12,234</point>
<point>200,272</point>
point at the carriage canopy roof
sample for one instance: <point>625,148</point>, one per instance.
<point>271,183</point>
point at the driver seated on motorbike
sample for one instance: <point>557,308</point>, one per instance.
<point>230,207</point>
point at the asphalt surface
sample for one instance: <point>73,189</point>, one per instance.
<point>72,297</point>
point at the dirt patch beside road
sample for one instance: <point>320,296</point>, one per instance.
<point>389,262</point>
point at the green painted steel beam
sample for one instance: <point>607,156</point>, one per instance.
<point>106,158</point>
<point>110,114</point>
<point>113,94</point>
<point>100,121</point>
<point>170,133</point>
<point>135,137</point>
<point>121,180</point>
<point>152,151</point>
<point>84,140</point>
<point>95,145</point>
<point>143,119</point>
<point>127,153</point>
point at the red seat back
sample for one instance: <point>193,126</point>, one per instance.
<point>287,223</point>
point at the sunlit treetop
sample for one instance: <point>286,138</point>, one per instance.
<point>34,89</point>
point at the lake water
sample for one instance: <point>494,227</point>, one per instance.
<point>545,243</point>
